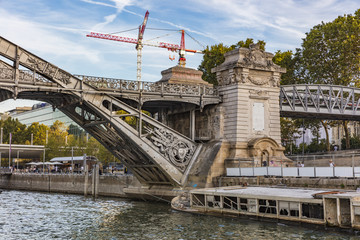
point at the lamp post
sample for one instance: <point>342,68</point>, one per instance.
<point>9,150</point>
<point>17,160</point>
<point>303,138</point>
<point>72,160</point>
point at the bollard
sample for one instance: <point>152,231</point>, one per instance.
<point>93,181</point>
<point>353,165</point>
<point>97,180</point>
<point>86,175</point>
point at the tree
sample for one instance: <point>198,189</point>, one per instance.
<point>331,51</point>
<point>289,133</point>
<point>56,140</point>
<point>292,63</point>
<point>214,56</point>
<point>16,129</point>
<point>39,133</point>
<point>330,54</point>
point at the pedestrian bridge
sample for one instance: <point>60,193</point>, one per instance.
<point>320,101</point>
<point>155,152</point>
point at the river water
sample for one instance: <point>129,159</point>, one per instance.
<point>33,215</point>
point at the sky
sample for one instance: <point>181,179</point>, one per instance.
<point>56,30</point>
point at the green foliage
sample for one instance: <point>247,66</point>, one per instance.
<point>354,143</point>
<point>289,131</point>
<point>57,145</point>
<point>14,127</point>
<point>331,51</point>
<point>214,56</point>
<point>39,133</point>
<point>291,62</point>
<point>316,145</point>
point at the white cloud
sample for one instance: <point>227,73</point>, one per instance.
<point>41,39</point>
<point>108,19</point>
<point>288,19</point>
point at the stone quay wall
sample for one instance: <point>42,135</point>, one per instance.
<point>109,185</point>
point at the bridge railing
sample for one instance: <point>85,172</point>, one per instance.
<point>24,75</point>
<point>119,84</point>
<point>148,87</point>
<point>5,170</point>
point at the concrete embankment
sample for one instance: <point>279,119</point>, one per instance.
<point>126,186</point>
<point>113,185</point>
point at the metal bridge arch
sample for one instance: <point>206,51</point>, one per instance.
<point>154,152</point>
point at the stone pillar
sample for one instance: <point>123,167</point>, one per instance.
<point>249,84</point>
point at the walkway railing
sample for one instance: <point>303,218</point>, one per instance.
<point>5,170</point>
<point>162,88</point>
<point>349,172</point>
<point>337,164</point>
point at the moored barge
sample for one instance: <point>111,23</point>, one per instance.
<point>314,206</point>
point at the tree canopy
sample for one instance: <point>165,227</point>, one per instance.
<point>59,140</point>
<point>214,56</point>
<point>330,52</point>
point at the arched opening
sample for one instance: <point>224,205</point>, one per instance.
<point>264,158</point>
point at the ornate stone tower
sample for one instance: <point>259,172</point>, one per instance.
<point>249,84</point>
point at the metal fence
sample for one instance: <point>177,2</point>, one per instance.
<point>336,164</point>
<point>5,170</point>
<point>349,172</point>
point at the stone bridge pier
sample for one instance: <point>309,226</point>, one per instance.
<point>244,129</point>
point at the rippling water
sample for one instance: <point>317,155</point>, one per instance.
<point>32,215</point>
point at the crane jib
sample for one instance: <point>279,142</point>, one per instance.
<point>112,37</point>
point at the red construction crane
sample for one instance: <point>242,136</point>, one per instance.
<point>139,43</point>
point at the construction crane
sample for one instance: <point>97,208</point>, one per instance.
<point>139,44</point>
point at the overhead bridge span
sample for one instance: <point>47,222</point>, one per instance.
<point>154,152</point>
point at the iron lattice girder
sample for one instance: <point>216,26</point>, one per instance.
<point>171,152</point>
<point>320,101</point>
<point>116,144</point>
<point>200,95</point>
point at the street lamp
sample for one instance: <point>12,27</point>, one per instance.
<point>17,160</point>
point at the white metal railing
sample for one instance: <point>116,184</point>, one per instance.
<point>349,172</point>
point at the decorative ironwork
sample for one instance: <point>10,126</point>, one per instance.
<point>50,70</point>
<point>63,76</point>
<point>148,87</point>
<point>28,76</point>
<point>179,151</point>
<point>36,64</point>
<point>6,73</point>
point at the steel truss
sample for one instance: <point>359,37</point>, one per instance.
<point>320,101</point>
<point>154,152</point>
